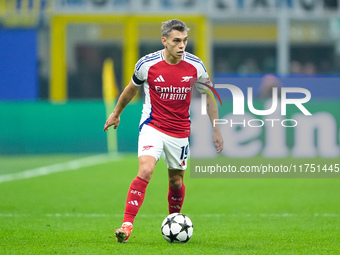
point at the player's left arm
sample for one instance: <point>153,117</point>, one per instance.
<point>212,111</point>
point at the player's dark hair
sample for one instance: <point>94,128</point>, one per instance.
<point>173,24</point>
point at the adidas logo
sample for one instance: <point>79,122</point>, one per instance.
<point>133,203</point>
<point>176,207</point>
<point>159,79</point>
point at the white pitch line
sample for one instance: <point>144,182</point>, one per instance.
<point>102,215</point>
<point>62,167</point>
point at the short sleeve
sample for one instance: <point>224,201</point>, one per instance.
<point>202,80</point>
<point>140,73</point>
<point>136,81</point>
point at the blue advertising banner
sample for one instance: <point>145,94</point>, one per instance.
<point>18,64</point>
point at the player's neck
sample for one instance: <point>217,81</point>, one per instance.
<point>169,58</point>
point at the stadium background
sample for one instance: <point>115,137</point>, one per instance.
<point>55,57</point>
<point>53,54</point>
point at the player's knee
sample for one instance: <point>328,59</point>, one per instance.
<point>146,167</point>
<point>176,182</point>
<point>146,171</point>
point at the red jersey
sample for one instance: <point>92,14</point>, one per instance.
<point>168,91</point>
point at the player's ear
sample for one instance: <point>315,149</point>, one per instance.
<point>164,41</point>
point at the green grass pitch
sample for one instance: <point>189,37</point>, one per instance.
<point>76,212</point>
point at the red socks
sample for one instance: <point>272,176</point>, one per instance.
<point>136,196</point>
<point>175,199</point>
<point>134,199</point>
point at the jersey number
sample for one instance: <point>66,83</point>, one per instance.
<point>184,153</point>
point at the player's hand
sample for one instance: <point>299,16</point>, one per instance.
<point>112,120</point>
<point>218,140</point>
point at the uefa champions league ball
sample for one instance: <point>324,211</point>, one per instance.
<point>177,228</point>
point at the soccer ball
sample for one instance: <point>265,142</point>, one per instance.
<point>177,228</point>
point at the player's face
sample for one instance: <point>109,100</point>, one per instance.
<point>175,44</point>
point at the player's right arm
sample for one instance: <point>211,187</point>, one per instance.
<point>128,93</point>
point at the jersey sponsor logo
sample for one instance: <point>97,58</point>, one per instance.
<point>186,78</point>
<point>147,147</point>
<point>172,89</point>
<point>173,93</point>
<point>159,79</point>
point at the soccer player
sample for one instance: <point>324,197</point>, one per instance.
<point>166,76</point>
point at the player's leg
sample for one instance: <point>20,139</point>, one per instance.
<point>135,197</point>
<point>146,167</point>
<point>149,151</point>
<point>137,188</point>
<point>176,192</point>
<point>176,152</point>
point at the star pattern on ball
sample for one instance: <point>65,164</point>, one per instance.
<point>184,227</point>
<point>173,237</point>
<point>171,220</point>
